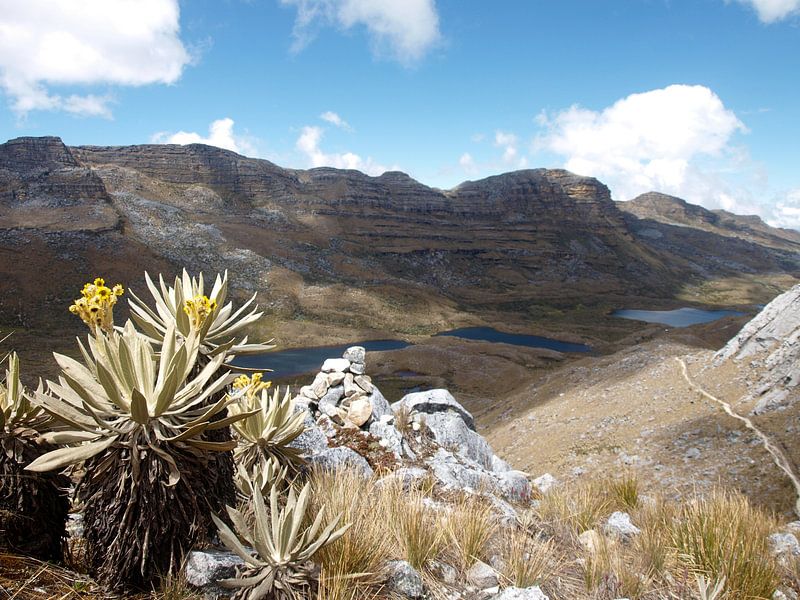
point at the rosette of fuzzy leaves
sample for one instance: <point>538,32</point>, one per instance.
<point>33,507</point>
<point>186,306</point>
<point>140,420</point>
<point>265,435</point>
<point>282,567</point>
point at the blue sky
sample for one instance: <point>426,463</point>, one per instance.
<point>697,98</point>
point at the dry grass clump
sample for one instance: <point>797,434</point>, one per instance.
<point>625,491</point>
<point>416,526</point>
<point>527,560</point>
<point>567,513</point>
<point>470,525</point>
<point>355,560</point>
<point>723,535</point>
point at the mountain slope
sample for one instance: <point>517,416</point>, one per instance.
<point>329,249</point>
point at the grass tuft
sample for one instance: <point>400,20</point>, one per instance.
<point>722,535</point>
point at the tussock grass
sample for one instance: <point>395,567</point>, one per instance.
<point>470,525</point>
<point>569,512</point>
<point>526,560</point>
<point>361,552</point>
<point>417,528</point>
<point>625,491</point>
<point>722,535</point>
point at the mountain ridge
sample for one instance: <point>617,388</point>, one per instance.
<point>387,253</point>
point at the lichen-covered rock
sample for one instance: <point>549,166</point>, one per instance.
<point>514,485</point>
<point>356,354</point>
<point>619,524</point>
<point>450,431</point>
<point>434,401</point>
<point>389,435</point>
<point>405,476</point>
<point>335,365</point>
<point>515,593</point>
<point>313,440</point>
<point>482,576</point>
<point>772,337</point>
<point>543,483</point>
<point>204,568</point>
<point>404,579</point>
<point>337,458</point>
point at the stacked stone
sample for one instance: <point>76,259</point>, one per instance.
<point>343,393</point>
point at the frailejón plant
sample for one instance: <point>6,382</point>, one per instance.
<point>33,507</point>
<point>139,419</point>
<point>282,568</point>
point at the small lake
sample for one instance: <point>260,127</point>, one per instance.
<point>680,317</point>
<point>298,361</point>
<point>487,334</point>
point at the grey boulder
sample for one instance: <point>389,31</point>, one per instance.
<point>434,401</point>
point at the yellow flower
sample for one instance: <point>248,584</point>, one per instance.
<point>96,304</point>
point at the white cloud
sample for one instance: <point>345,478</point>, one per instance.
<point>770,11</point>
<point>405,29</point>
<point>309,144</point>
<point>508,142</point>
<point>45,43</point>
<point>334,119</point>
<point>657,140</point>
<point>468,164</point>
<point>220,134</point>
<point>786,212</point>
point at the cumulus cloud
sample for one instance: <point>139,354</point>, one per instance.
<point>334,119</point>
<point>655,140</point>
<point>508,142</point>
<point>309,144</point>
<point>220,134</point>
<point>770,11</point>
<point>404,29</point>
<point>45,43</point>
<point>786,211</point>
<point>468,165</point>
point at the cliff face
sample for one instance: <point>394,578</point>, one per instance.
<point>500,243</point>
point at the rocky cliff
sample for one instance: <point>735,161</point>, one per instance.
<point>502,244</point>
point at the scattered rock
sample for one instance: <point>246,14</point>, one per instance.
<point>204,568</point>
<point>544,482</point>
<point>482,575</point>
<point>783,545</point>
<point>590,540</point>
<point>405,580</point>
<point>515,593</point>
<point>692,453</point>
<point>514,485</point>
<point>619,524</point>
<point>446,573</point>
<point>408,475</point>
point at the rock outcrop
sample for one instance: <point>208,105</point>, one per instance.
<point>771,340</point>
<point>533,235</point>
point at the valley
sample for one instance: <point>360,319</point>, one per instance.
<point>338,257</point>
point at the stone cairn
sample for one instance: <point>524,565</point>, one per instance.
<point>343,392</point>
